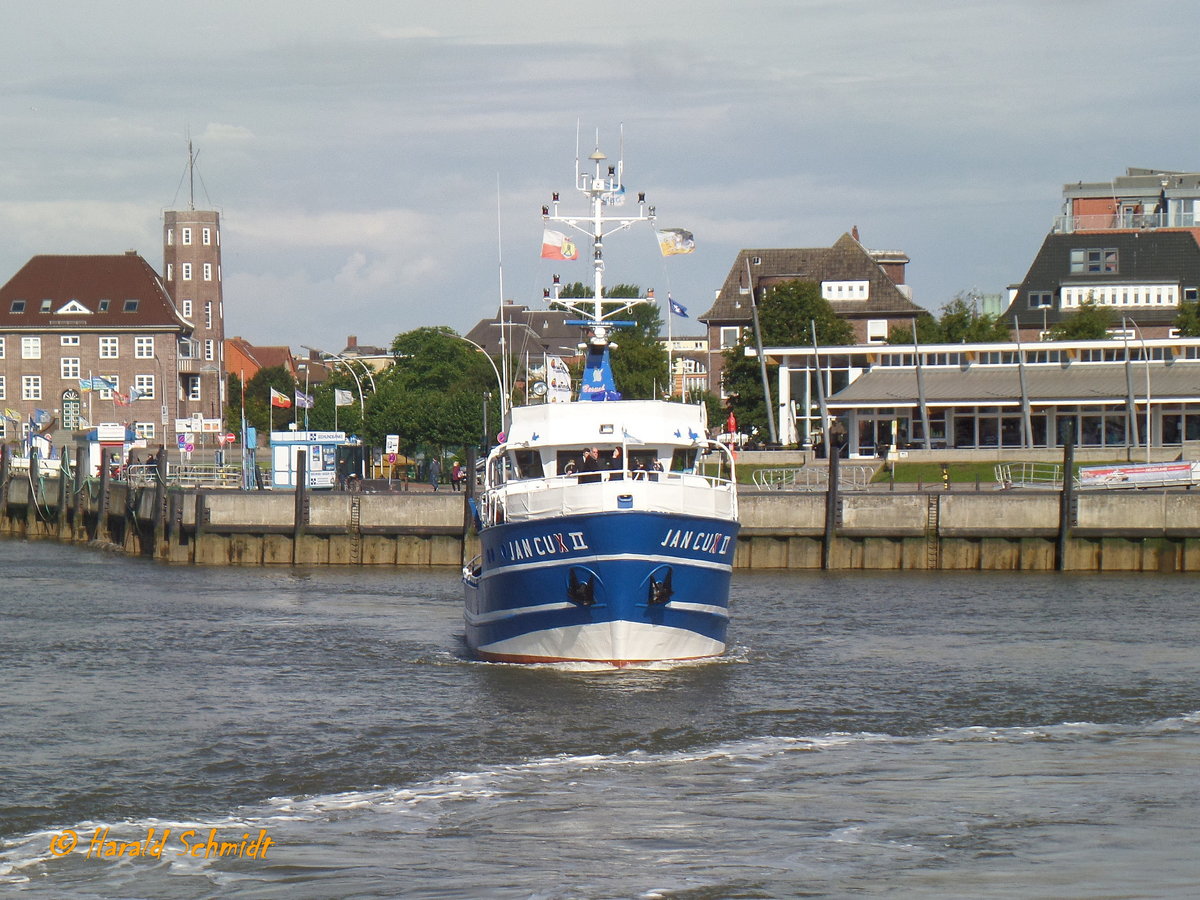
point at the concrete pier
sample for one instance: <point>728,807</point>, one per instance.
<point>1125,531</point>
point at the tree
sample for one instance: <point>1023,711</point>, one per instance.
<point>433,395</point>
<point>640,364</point>
<point>259,413</point>
<point>960,323</point>
<point>1091,322</point>
<point>786,316</point>
<point>1188,320</point>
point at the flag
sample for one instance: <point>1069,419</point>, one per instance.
<point>135,394</point>
<point>96,383</point>
<point>12,415</point>
<point>672,241</point>
<point>342,398</point>
<point>40,417</point>
<point>120,399</point>
<point>614,197</point>
<point>280,400</point>
<point>556,245</point>
<point>677,308</point>
<point>303,400</point>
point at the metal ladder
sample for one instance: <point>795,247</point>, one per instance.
<point>932,545</point>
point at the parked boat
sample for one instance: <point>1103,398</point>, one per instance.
<point>602,537</point>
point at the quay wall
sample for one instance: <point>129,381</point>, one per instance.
<point>1125,531</point>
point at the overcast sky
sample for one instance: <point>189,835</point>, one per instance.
<point>380,165</point>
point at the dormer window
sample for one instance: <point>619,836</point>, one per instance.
<point>18,306</point>
<point>46,305</point>
<point>104,304</point>
<point>130,306</point>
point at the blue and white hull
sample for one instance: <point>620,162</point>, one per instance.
<point>621,586</point>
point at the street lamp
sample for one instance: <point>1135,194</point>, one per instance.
<point>362,404</point>
<point>492,362</point>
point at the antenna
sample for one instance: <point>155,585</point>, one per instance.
<point>500,268</point>
<point>191,174</point>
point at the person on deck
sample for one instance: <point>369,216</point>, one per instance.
<point>591,466</point>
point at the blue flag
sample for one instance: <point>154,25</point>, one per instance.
<point>677,308</point>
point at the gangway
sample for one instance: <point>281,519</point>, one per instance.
<point>813,478</point>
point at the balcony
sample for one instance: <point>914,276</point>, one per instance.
<point>1125,221</point>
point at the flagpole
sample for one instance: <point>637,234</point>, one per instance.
<point>670,366</point>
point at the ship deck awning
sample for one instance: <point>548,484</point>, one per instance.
<point>1084,385</point>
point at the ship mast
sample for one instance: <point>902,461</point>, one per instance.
<point>603,188</point>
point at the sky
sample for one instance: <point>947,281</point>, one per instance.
<point>381,165</point>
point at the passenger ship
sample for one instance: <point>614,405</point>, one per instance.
<point>602,538</point>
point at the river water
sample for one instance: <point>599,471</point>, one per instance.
<point>923,735</point>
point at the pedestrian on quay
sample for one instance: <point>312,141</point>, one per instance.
<point>435,473</point>
<point>456,476</point>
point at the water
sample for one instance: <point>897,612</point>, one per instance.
<point>944,735</point>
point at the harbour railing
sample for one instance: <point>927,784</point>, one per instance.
<point>1043,476</point>
<point>183,475</point>
<point>813,478</point>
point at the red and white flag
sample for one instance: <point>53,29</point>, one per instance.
<point>556,245</point>
<point>283,401</point>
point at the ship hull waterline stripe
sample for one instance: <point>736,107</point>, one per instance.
<point>613,557</point>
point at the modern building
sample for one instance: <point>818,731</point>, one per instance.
<point>866,287</point>
<point>1019,396</point>
<point>1128,244</point>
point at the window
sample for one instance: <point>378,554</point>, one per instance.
<point>185,271</point>
<point>170,271</point>
<point>193,387</point>
<point>1041,299</point>
<point>170,238</point>
<point>68,340</point>
<point>185,235</point>
<point>109,347</point>
<point>143,348</point>
<point>130,306</point>
<point>104,305</point>
<point>846,290</point>
<point>18,306</point>
<point>877,331</point>
<point>187,309</point>
<point>47,305</point>
<point>1,348</point>
<point>31,348</point>
<point>208,271</point>
<point>144,430</point>
<point>3,391</point>
<point>187,349</point>
<point>31,387</point>
<point>1091,261</point>
<point>210,349</point>
<point>144,385</point>
<point>730,335</point>
<point>69,367</point>
<point>208,314</point>
<point>206,236</point>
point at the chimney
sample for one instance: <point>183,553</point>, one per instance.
<point>352,342</point>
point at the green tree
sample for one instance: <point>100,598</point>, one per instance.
<point>640,363</point>
<point>259,412</point>
<point>1188,320</point>
<point>433,395</point>
<point>929,331</point>
<point>1090,322</point>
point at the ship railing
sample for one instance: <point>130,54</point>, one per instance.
<point>562,495</point>
<point>812,478</point>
